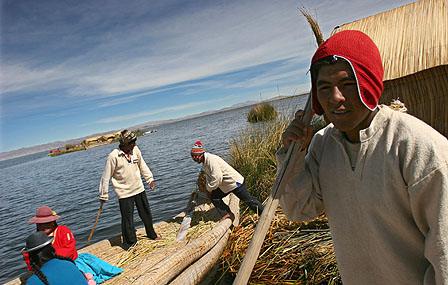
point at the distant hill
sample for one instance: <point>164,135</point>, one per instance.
<point>147,125</point>
<point>34,149</point>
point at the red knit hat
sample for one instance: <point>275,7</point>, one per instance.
<point>363,56</point>
<point>197,148</point>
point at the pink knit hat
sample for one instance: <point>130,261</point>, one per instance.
<point>44,214</point>
<point>198,148</point>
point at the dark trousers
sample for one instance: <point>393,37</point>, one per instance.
<point>127,217</point>
<point>240,192</point>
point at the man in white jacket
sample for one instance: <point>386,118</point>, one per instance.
<point>124,167</point>
<point>381,176</point>
<point>221,180</point>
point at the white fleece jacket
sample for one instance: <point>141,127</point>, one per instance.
<point>389,216</point>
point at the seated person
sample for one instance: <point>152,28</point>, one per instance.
<point>64,244</point>
<point>47,267</point>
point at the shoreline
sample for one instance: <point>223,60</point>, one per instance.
<point>25,151</point>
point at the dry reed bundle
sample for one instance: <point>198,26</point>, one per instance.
<point>293,253</point>
<point>201,228</point>
<point>198,270</point>
<point>146,246</point>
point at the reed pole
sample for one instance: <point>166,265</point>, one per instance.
<point>298,153</point>
<point>271,205</point>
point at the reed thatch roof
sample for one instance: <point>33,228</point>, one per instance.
<point>410,38</point>
<point>413,42</point>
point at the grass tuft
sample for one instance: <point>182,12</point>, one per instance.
<point>261,112</point>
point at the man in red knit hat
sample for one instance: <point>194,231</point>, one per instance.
<point>381,176</point>
<point>221,180</point>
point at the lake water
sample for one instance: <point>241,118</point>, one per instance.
<point>69,183</point>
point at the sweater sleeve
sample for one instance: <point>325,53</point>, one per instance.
<point>214,177</point>
<point>301,198</point>
<point>429,204</point>
<point>423,155</point>
<point>105,178</point>
<point>144,169</point>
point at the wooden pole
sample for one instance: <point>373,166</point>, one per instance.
<point>96,221</point>
<point>268,213</point>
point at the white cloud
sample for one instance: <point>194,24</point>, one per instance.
<point>139,115</point>
<point>188,46</point>
<point>185,49</point>
<point>19,77</point>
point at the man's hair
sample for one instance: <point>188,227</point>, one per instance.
<point>315,67</point>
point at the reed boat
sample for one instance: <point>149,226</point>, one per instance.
<point>168,261</point>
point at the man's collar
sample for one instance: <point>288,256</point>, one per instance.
<point>203,160</point>
<point>376,125</point>
<point>121,153</point>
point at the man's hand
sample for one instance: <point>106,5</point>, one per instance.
<point>152,185</point>
<point>297,131</point>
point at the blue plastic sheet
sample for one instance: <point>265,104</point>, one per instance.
<point>100,269</point>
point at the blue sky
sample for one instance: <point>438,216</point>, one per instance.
<point>74,68</point>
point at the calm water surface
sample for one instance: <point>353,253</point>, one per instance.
<point>69,183</point>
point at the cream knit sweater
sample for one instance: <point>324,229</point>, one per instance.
<point>126,176</point>
<point>389,216</point>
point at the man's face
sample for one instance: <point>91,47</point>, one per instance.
<point>47,228</point>
<point>197,158</point>
<point>337,93</point>
<point>128,148</point>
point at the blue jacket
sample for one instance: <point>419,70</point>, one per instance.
<point>59,272</point>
